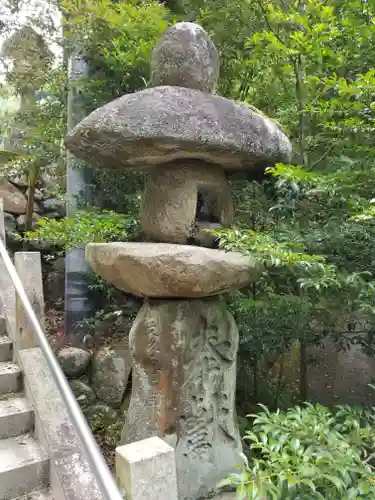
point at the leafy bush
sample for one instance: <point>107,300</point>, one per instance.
<point>308,453</point>
<point>87,226</point>
<point>117,39</point>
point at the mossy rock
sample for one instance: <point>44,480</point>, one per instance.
<point>83,392</point>
<point>100,416</point>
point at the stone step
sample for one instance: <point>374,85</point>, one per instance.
<point>16,416</point>
<point>10,378</point>
<point>24,467</point>
<point>6,348</point>
<point>45,494</point>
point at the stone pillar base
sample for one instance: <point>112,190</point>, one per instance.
<point>184,380</point>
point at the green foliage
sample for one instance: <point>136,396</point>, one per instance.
<point>29,58</point>
<point>309,66</point>
<point>311,70</point>
<point>367,216</point>
<point>117,39</point>
<point>267,249</point>
<point>308,453</point>
<point>94,226</point>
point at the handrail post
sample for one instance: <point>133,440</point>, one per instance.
<point>7,291</point>
<point>2,221</point>
<point>29,268</point>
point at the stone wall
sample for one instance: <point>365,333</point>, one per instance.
<point>100,378</point>
<point>13,191</point>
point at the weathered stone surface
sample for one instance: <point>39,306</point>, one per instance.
<point>54,283</point>
<point>29,269</point>
<point>99,416</point>
<point>14,201</point>
<point>73,361</point>
<point>38,195</point>
<point>73,476</point>
<point>185,57</point>
<point>10,223</point>
<point>162,124</point>
<point>147,466</point>
<point>172,194</point>
<point>164,270</point>
<point>21,221</point>
<point>48,180</point>
<point>19,180</point>
<point>111,367</point>
<point>58,264</point>
<point>184,379</point>
<point>41,246</point>
<point>84,393</point>
<point>55,206</point>
<point>54,288</point>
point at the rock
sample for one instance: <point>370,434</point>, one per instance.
<point>54,215</point>
<point>99,416</point>
<point>126,402</point>
<point>14,201</point>
<point>10,223</point>
<point>21,221</point>
<point>54,288</point>
<point>18,180</point>
<point>48,180</point>
<point>203,237</point>
<point>38,195</point>
<point>166,270</point>
<point>185,57</point>
<point>73,361</point>
<point>162,124</point>
<point>54,206</point>
<point>111,367</point>
<point>172,193</point>
<point>58,264</point>
<point>84,393</point>
<point>54,283</point>
<point>122,324</point>
<point>41,246</point>
<point>184,380</point>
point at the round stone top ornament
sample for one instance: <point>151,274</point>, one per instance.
<point>185,57</point>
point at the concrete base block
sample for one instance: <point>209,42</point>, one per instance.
<point>147,469</point>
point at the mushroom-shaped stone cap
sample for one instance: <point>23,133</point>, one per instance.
<point>185,57</point>
<point>161,124</point>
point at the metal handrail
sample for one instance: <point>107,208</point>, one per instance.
<point>106,481</point>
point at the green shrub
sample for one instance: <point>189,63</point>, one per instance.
<point>87,226</point>
<point>308,453</point>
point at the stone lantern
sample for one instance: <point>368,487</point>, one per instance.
<point>184,342</point>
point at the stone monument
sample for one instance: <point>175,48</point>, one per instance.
<point>184,342</point>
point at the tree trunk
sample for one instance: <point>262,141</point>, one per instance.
<point>303,390</point>
<point>279,380</point>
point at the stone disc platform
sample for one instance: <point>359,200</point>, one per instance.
<point>163,270</point>
<point>162,124</point>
